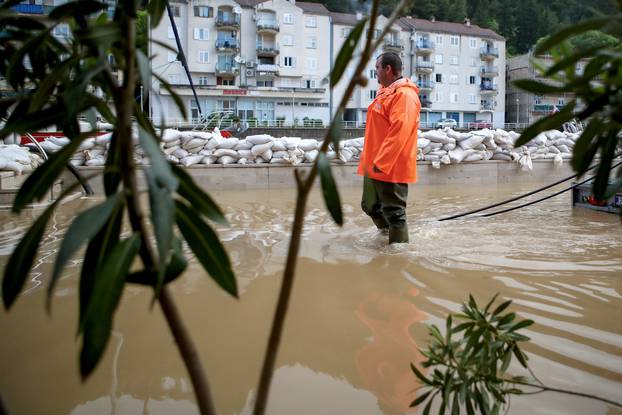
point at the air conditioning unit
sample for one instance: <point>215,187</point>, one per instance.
<point>250,72</point>
<point>250,64</point>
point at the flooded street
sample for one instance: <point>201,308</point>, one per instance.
<point>357,316</point>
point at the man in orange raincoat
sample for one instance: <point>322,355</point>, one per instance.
<point>389,158</point>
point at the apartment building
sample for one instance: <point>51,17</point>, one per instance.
<point>270,60</point>
<point>263,61</point>
<point>525,107</point>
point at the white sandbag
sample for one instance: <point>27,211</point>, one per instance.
<point>49,146</point>
<point>169,151</point>
<point>331,155</point>
<point>94,153</point>
<point>261,148</point>
<point>501,156</point>
<point>472,142</point>
<point>59,141</point>
<point>554,134</point>
<point>104,139</point>
<point>291,142</point>
<point>85,126</point>
<point>195,150</point>
<point>259,139</point>
<point>563,149</point>
<point>172,143</point>
<point>13,152</point>
<point>221,152</point>
<point>230,142</point>
<point>475,156</point>
<point>242,161</point>
<point>449,146</point>
<point>278,154</point>
<point>308,144</point>
<point>243,145</point>
<point>104,126</point>
<point>87,144</point>
<point>445,159</point>
<point>345,155</point>
<point>459,154</point>
<point>208,160</point>
<point>226,160</point>
<point>426,150</point>
<point>180,153</point>
<point>480,147</point>
<point>193,143</point>
<point>186,135</point>
<point>97,161</point>
<point>172,159</point>
<point>279,145</point>
<point>539,140</point>
<point>439,153</point>
<point>436,164</point>
<point>525,162</point>
<point>435,146</point>
<point>553,149</point>
<point>170,134</point>
<point>437,136</point>
<point>259,160</point>
<point>311,155</point>
<point>566,156</point>
<point>246,154</point>
<point>422,142</point>
<point>202,134</point>
<point>191,160</point>
<point>275,160</point>
<point>266,155</point>
<point>432,157</point>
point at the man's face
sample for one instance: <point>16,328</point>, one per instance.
<point>383,74</point>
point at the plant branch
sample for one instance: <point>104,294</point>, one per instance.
<point>304,188</point>
<point>567,392</point>
<point>186,347</point>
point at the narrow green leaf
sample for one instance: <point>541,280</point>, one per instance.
<point>45,88</point>
<point>522,358</point>
<point>584,150</point>
<point>97,250</point>
<point>469,406</point>
<point>571,60</point>
<point>198,199</point>
<point>144,67</point>
<point>420,399</point>
<point>502,307</point>
<point>205,244</point>
<point>173,270</point>
<point>539,87</point>
<point>72,98</point>
<point>76,8</point>
<point>420,375</point>
<point>174,95</point>
<point>521,324</point>
<point>329,189</point>
<point>603,171</point>
<point>594,106</point>
<point>336,130</point>
<point>106,295</point>
<point>112,172</point>
<point>156,10</point>
<point>574,29</point>
<point>346,51</point>
<point>507,319</point>
<point>455,406</point>
<point>507,358</point>
<point>84,227</point>
<point>42,179</point>
<point>490,302</point>
<point>19,122</point>
<point>159,165</point>
<point>427,408</point>
<point>462,327</point>
<point>105,34</point>
<point>547,123</point>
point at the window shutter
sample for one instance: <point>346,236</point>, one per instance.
<point>196,10</point>
<point>293,62</point>
<point>210,11</point>
<point>196,33</point>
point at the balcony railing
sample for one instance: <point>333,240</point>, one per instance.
<point>424,66</point>
<point>228,21</point>
<point>226,68</point>
<point>427,84</point>
<point>424,46</point>
<point>489,71</point>
<point>487,107</point>
<point>269,25</point>
<point>546,108</point>
<point>487,88</point>
<point>488,52</point>
<point>267,50</point>
<point>267,68</point>
<point>393,44</point>
<point>426,103</point>
<point>227,45</point>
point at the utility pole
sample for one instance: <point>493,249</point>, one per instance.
<point>517,110</point>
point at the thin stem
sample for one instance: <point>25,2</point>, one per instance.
<point>304,187</point>
<point>125,104</point>
<point>567,392</point>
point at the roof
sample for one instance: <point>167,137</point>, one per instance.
<point>344,18</point>
<point>448,27</point>
<point>314,8</point>
<point>249,3</point>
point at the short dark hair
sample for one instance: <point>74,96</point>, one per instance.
<point>393,59</point>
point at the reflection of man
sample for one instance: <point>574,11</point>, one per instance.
<point>389,156</point>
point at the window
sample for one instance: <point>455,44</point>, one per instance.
<point>309,83</point>
<point>473,43</point>
<point>453,98</point>
<point>311,42</point>
<point>201,33</point>
<point>454,40</point>
<point>269,83</point>
<point>288,18</point>
<point>175,11</point>
<point>203,11</point>
<point>286,82</point>
<point>171,57</point>
<point>372,74</point>
<point>472,61</point>
<point>173,79</point>
<point>203,80</point>
<point>472,99</point>
<point>311,63</point>
<point>345,32</point>
<point>311,21</point>
<point>453,60</point>
<point>453,79</point>
<point>439,97</point>
<point>376,33</point>
<point>439,78</point>
<point>472,80</point>
<point>171,34</point>
<point>372,94</point>
<point>439,39</point>
<point>62,30</point>
<point>561,101</point>
<point>288,61</point>
<point>537,99</point>
<point>203,56</point>
<point>438,58</point>
<point>287,40</point>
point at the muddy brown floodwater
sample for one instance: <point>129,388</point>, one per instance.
<point>357,316</point>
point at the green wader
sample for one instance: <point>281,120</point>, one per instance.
<point>385,203</point>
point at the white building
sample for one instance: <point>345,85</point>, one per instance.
<point>269,62</point>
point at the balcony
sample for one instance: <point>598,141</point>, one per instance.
<point>393,45</point>
<point>231,22</point>
<point>425,85</point>
<point>267,69</point>
<point>488,53</point>
<point>489,71</point>
<point>264,50</point>
<point>424,47</point>
<point>487,89</point>
<point>267,26</point>
<point>487,107</point>
<point>227,68</point>
<point>227,45</point>
<point>426,103</point>
<point>424,67</point>
<point>546,108</point>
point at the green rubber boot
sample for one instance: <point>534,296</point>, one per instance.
<point>381,224</point>
<point>398,235</point>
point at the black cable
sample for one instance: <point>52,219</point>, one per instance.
<point>517,197</point>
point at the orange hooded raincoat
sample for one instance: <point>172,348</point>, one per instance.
<point>391,134</point>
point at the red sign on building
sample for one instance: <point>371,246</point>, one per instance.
<point>234,92</point>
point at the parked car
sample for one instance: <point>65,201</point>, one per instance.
<point>446,122</point>
<point>479,125</point>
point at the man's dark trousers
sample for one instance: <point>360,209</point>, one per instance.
<point>385,203</point>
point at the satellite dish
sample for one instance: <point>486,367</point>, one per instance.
<point>238,59</point>
<point>237,10</point>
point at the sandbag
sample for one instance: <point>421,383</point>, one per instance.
<point>308,144</point>
<point>261,148</point>
<point>259,139</point>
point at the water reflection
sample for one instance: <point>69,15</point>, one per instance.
<point>357,315</point>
